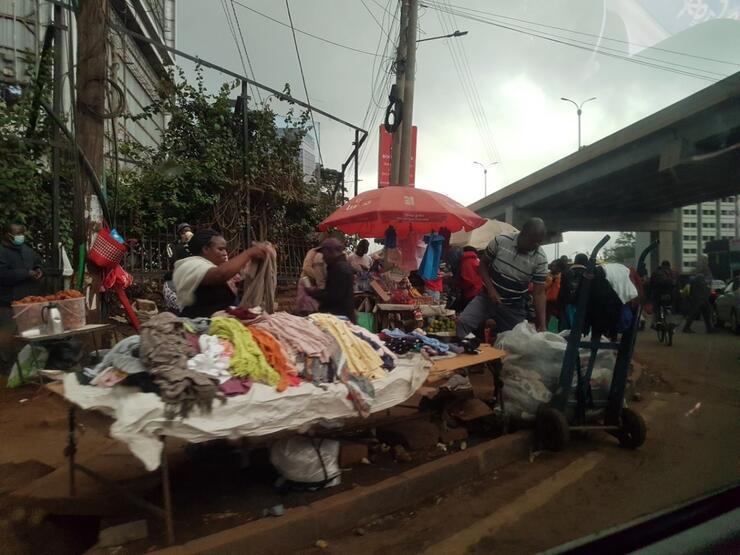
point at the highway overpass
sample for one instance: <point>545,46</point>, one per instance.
<point>636,178</point>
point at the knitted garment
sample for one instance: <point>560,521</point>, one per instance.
<point>277,358</point>
<point>247,360</point>
<point>298,335</point>
<point>164,350</point>
<point>362,360</point>
<point>260,281</point>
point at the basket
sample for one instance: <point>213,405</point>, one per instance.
<point>73,313</point>
<point>106,252</point>
<point>28,316</point>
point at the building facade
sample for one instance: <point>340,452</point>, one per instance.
<point>704,222</point>
<point>135,68</point>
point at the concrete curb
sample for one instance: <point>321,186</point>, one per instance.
<point>302,526</point>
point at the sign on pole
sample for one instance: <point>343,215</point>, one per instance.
<point>385,145</point>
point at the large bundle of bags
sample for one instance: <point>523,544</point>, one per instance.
<point>532,369</point>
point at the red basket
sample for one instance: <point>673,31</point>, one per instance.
<point>106,252</point>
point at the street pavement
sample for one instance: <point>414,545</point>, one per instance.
<point>690,397</point>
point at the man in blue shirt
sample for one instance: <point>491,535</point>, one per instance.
<point>510,263</point>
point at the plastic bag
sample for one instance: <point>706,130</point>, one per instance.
<point>307,460</point>
<point>32,358</point>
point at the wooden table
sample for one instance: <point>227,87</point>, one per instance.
<point>446,367</point>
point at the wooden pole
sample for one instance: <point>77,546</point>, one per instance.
<point>91,65</point>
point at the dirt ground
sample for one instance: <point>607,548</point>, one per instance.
<point>690,397</point>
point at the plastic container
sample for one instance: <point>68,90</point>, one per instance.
<point>28,316</point>
<point>106,252</point>
<point>74,313</point>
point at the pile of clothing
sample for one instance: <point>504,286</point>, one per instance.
<point>190,363</point>
<point>418,341</point>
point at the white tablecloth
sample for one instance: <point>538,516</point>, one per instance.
<point>139,419</point>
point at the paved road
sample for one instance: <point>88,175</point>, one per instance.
<point>691,400</point>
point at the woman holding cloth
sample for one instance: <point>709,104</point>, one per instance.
<point>203,280</point>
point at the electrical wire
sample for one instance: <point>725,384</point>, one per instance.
<point>296,30</point>
<point>246,52</point>
<point>303,78</point>
<point>604,51</point>
<point>232,29</point>
<point>594,35</point>
<point>375,19</point>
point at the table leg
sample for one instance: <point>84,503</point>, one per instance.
<point>71,448</point>
<point>167,494</point>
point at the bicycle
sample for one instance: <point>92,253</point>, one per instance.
<point>663,327</point>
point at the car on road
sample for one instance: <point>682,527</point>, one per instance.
<point>727,306</point>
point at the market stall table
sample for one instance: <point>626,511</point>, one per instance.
<point>89,330</point>
<point>139,421</point>
<point>384,310</point>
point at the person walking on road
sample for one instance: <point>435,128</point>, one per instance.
<point>510,263</point>
<point>698,304</point>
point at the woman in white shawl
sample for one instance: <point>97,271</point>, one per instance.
<point>202,280</point>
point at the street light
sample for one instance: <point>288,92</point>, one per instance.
<point>579,112</point>
<point>485,175</point>
<point>450,36</point>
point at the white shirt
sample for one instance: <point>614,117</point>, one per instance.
<point>358,262</point>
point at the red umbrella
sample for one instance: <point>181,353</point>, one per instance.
<point>406,208</point>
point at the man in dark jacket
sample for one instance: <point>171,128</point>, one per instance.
<point>20,273</point>
<point>20,266</point>
<point>337,297</point>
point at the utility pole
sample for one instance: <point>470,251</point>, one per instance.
<point>55,138</point>
<point>400,68</point>
<point>408,94</point>
<point>485,175</point>
<point>90,131</point>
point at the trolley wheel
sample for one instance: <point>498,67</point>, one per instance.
<point>552,429</point>
<point>632,429</point>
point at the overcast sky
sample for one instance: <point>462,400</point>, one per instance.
<point>517,78</point>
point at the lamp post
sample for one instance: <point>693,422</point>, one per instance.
<point>485,175</point>
<point>450,36</point>
<point>579,111</point>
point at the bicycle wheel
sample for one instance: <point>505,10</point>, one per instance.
<point>669,336</point>
<point>660,328</point>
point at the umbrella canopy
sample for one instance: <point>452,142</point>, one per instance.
<point>406,208</point>
<point>481,236</point>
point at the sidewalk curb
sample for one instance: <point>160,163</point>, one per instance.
<point>302,526</point>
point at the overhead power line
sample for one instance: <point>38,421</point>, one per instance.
<point>244,45</point>
<point>595,35</point>
<point>604,51</point>
<point>296,30</point>
<point>232,29</point>
<point>303,78</point>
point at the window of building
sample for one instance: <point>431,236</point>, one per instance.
<point>708,212</point>
<point>728,212</point>
<point>690,224</point>
<point>689,210</point>
<point>706,225</point>
<point>689,251</point>
<point>689,237</point>
<point>689,264</point>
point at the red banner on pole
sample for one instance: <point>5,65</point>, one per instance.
<point>385,146</point>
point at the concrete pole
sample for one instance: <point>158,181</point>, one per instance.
<point>400,84</point>
<point>408,95</point>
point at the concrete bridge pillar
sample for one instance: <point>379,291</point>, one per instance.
<point>666,249</point>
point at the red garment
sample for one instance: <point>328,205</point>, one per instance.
<point>434,284</point>
<point>470,280</point>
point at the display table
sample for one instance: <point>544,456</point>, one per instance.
<point>384,310</point>
<point>444,368</point>
<point>89,329</point>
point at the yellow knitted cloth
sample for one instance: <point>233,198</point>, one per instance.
<point>248,360</point>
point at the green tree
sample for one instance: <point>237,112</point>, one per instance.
<point>623,250</point>
<point>196,173</point>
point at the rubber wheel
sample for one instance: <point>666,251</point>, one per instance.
<point>633,430</point>
<point>669,336</point>
<point>661,332</point>
<point>552,429</point>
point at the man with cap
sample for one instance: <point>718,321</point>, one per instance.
<point>337,296</point>
<point>179,249</point>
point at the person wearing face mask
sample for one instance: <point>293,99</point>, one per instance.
<point>20,276</point>
<point>180,249</point>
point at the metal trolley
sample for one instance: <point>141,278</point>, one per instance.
<point>573,408</point>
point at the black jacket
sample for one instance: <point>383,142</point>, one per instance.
<point>15,263</point>
<point>338,296</point>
